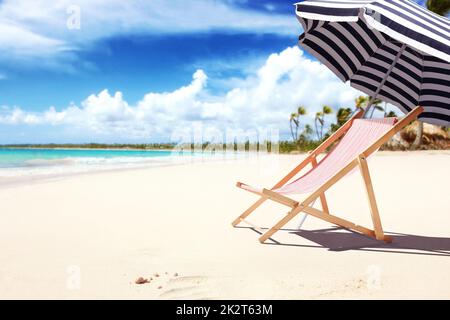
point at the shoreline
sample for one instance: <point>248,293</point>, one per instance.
<point>294,152</point>
<point>21,181</point>
<point>32,179</point>
<point>84,149</point>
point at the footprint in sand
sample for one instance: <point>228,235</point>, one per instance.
<point>187,287</point>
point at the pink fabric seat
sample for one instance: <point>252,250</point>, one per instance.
<point>362,134</point>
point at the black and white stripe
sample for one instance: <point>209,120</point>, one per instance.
<point>360,40</point>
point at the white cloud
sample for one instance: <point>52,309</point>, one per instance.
<point>38,28</point>
<point>270,7</point>
<point>265,98</point>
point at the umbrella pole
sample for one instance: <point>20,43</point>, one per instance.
<point>373,98</point>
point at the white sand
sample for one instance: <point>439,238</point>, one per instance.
<point>111,228</point>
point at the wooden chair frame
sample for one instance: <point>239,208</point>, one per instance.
<point>304,206</point>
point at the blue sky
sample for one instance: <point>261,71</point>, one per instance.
<point>135,64</point>
<point>164,65</point>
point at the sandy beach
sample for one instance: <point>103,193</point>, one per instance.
<point>91,236</point>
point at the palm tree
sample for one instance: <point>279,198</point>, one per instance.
<point>385,109</point>
<point>391,114</point>
<point>307,131</point>
<point>293,120</point>
<point>440,7</point>
<point>376,105</point>
<point>342,116</point>
<point>325,111</point>
<point>319,120</point>
<point>361,102</point>
<point>301,111</point>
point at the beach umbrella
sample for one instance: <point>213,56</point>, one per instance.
<point>394,50</point>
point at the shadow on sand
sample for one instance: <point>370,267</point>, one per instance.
<point>338,239</point>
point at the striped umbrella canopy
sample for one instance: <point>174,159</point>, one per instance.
<point>394,50</point>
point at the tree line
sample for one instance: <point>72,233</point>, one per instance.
<point>304,136</point>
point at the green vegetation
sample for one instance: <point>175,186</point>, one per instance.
<point>304,138</point>
<point>441,7</point>
<point>294,122</point>
<point>319,121</point>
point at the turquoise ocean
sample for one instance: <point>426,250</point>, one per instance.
<point>13,158</point>
<point>17,161</point>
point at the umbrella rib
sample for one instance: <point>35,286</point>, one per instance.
<point>386,76</point>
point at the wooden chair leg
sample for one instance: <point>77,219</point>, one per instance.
<point>309,200</point>
<point>323,202</point>
<point>249,211</point>
<point>344,223</point>
<point>371,196</point>
<point>323,199</point>
<point>291,214</point>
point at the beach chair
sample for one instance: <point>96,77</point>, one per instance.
<point>354,142</point>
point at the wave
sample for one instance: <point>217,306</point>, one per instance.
<point>91,161</point>
<point>70,165</point>
<point>48,162</point>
